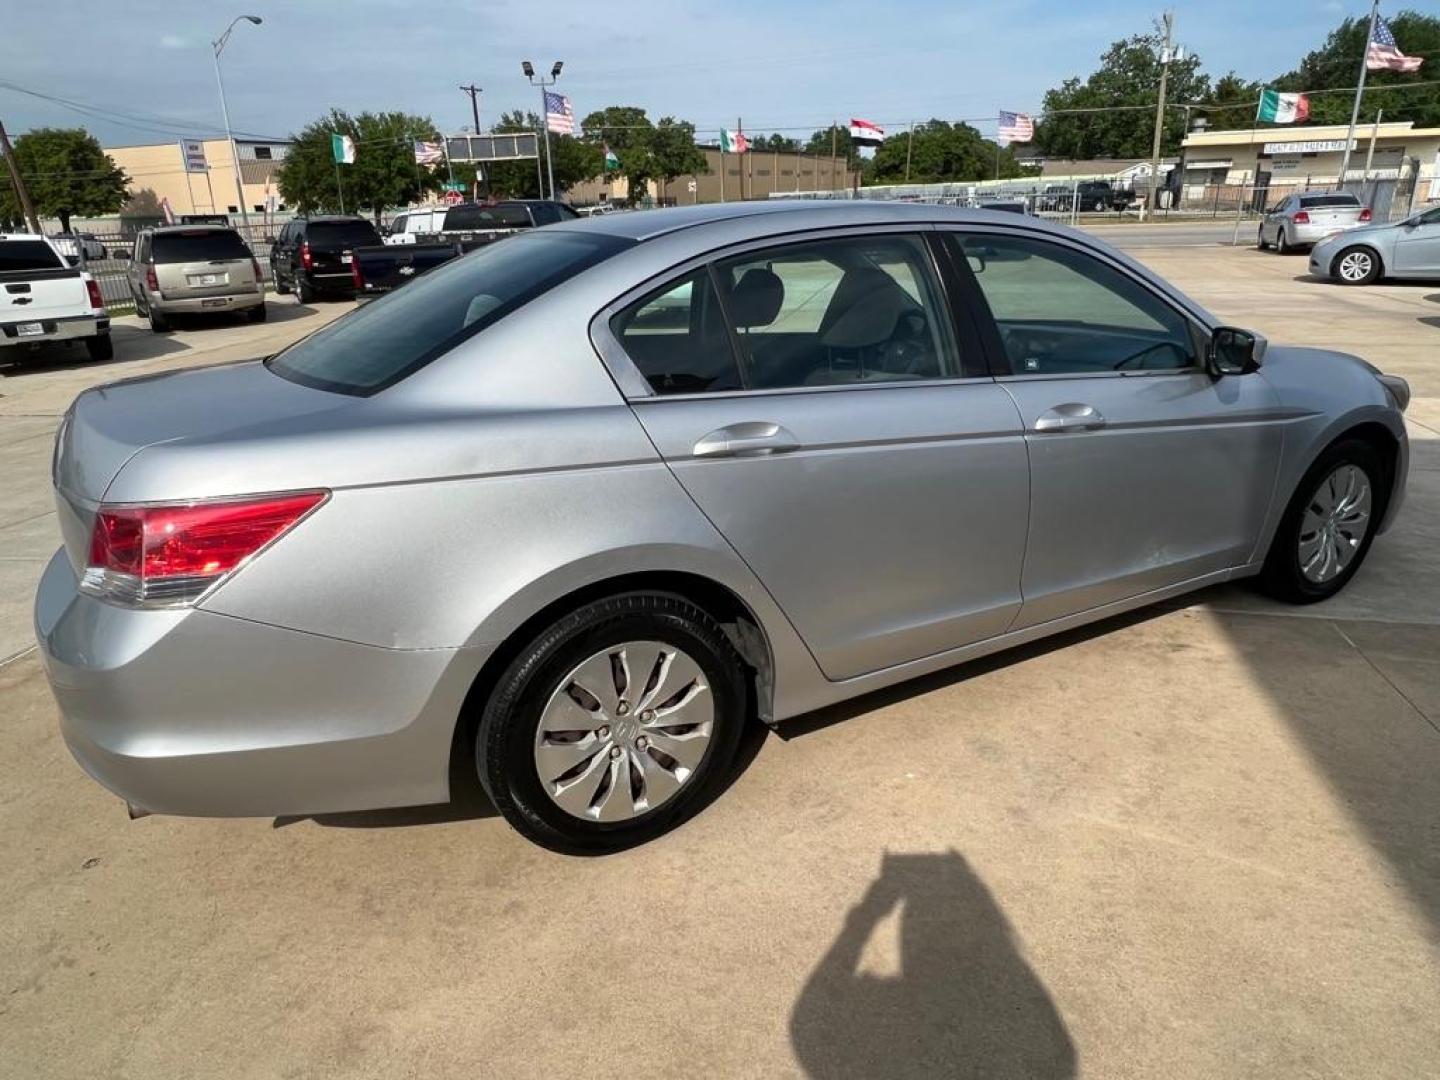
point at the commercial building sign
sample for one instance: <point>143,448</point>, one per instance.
<point>193,153</point>
<point>1317,146</point>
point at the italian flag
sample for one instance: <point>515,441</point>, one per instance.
<point>342,147</point>
<point>1280,108</point>
<point>733,142</point>
<point>611,161</point>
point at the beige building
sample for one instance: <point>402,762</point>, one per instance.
<point>1307,155</point>
<point>197,176</point>
<point>731,178</point>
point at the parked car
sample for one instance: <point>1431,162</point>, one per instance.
<point>1097,195</point>
<point>71,245</point>
<point>1307,217</point>
<point>411,225</point>
<point>1056,198</point>
<point>312,256</point>
<point>383,268</point>
<point>487,222</point>
<point>1361,256</point>
<point>587,502</point>
<point>44,299</point>
<point>192,270</point>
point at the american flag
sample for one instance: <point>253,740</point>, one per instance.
<point>1384,55</point>
<point>559,117</point>
<point>429,153</point>
<point>1016,127</point>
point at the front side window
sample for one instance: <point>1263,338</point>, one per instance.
<point>379,344</point>
<point>850,310</point>
<point>1060,311</point>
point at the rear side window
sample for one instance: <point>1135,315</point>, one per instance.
<point>378,345</point>
<point>1310,202</point>
<point>19,256</point>
<point>341,234</point>
<point>199,245</point>
<point>678,340</point>
<point>486,217</point>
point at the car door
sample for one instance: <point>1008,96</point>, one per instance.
<point>813,397</point>
<point>1145,470</point>
<point>1417,245</point>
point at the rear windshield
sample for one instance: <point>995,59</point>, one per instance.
<point>1309,202</point>
<point>381,343</point>
<point>341,234</point>
<point>18,256</point>
<point>199,245</point>
<point>486,217</point>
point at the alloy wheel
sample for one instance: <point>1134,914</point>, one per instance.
<point>1334,524</point>
<point>624,731</point>
<point>1356,266</point>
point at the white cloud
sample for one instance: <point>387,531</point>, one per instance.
<point>173,41</point>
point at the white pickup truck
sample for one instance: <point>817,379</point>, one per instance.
<point>44,299</point>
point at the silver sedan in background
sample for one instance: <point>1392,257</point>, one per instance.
<point>1307,217</point>
<point>581,505</point>
<point>1406,249</point>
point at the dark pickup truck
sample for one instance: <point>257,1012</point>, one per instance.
<point>383,268</point>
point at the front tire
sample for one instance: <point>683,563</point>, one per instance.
<point>614,725</point>
<point>1329,525</point>
<point>279,282</point>
<point>1356,266</point>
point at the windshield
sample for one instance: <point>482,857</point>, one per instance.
<point>379,344</point>
<point>22,255</point>
<point>341,234</point>
<point>487,217</point>
<point>199,245</point>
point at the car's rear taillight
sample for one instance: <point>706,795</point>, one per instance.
<point>151,281</point>
<point>93,288</point>
<point>160,556</point>
<point>355,274</point>
<point>255,269</point>
<point>1302,218</point>
<point>307,261</point>
<point>1365,213</point>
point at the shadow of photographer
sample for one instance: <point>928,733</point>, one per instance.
<point>965,1002</point>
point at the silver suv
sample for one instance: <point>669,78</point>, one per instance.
<point>192,270</point>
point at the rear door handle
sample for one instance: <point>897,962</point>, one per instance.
<point>752,438</point>
<point>1072,416</point>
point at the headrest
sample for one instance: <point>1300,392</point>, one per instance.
<point>757,298</point>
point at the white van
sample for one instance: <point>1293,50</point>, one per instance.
<point>414,223</point>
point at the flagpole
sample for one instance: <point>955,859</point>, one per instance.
<point>338,189</point>
<point>1359,90</point>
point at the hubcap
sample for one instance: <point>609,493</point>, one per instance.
<point>1355,266</point>
<point>1334,524</point>
<point>624,731</point>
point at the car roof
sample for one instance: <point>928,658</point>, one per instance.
<point>164,230</point>
<point>331,219</point>
<point>786,215</point>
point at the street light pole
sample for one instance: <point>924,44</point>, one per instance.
<point>219,46</point>
<point>542,82</point>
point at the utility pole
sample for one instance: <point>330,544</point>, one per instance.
<point>474,92</point>
<point>1166,52</point>
<point>1359,90</point>
<point>20,191</point>
<point>834,138</point>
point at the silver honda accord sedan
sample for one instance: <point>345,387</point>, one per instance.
<point>581,505</point>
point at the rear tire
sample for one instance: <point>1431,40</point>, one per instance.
<point>304,291</point>
<point>1260,241</point>
<point>159,324</point>
<point>1356,266</point>
<point>1282,245</point>
<point>1320,544</point>
<point>258,314</point>
<point>100,347</point>
<point>615,788</point>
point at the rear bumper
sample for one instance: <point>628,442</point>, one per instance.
<point>196,305</point>
<point>66,328</point>
<point>330,281</point>
<point>184,711</point>
<point>1313,234</point>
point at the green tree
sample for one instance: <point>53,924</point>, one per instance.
<point>1234,101</point>
<point>1336,65</point>
<point>673,151</point>
<point>941,152</point>
<point>821,142</point>
<point>630,135</point>
<point>1125,86</point>
<point>66,173</point>
<point>775,142</point>
<point>384,173</point>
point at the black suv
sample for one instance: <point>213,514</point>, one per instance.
<point>313,255</point>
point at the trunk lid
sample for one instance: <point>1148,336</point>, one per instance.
<point>109,425</point>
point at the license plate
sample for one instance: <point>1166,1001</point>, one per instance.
<point>30,329</point>
<point>205,279</point>
<point>214,303</point>
<point>346,260</point>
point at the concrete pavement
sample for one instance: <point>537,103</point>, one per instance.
<point>1197,842</point>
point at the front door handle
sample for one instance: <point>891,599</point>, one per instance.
<point>1072,416</point>
<point>752,438</point>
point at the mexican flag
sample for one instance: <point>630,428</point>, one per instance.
<point>611,161</point>
<point>1280,108</point>
<point>343,148</point>
<point>733,142</point>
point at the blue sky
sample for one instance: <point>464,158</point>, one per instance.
<point>781,64</point>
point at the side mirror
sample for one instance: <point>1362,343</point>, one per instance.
<point>1233,351</point>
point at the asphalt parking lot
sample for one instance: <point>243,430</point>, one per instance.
<point>1199,841</point>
